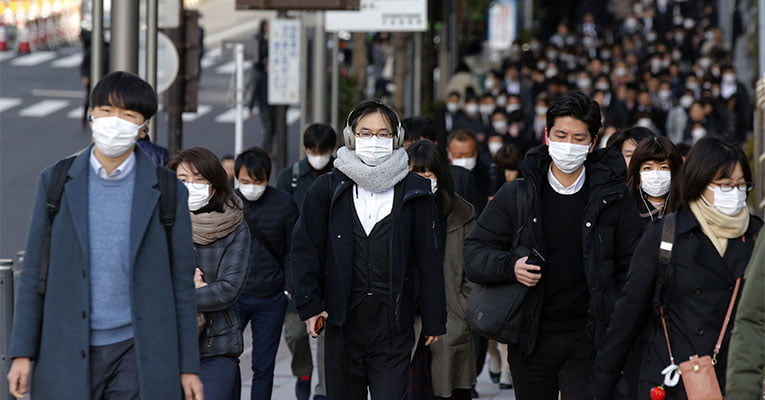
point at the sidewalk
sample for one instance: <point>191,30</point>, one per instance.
<point>284,382</point>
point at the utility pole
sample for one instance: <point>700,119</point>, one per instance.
<point>319,71</point>
<point>124,37</point>
<point>175,94</point>
<point>152,17</point>
<point>97,44</point>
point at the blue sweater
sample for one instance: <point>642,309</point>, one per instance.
<point>109,206</point>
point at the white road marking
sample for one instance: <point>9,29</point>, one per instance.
<point>8,103</point>
<point>71,61</point>
<point>43,108</point>
<point>230,116</point>
<point>34,59</point>
<point>228,68</point>
<point>202,109</point>
<point>76,113</point>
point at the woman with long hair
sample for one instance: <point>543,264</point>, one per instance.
<point>222,249</point>
<point>453,366</point>
<point>689,266</point>
<point>653,177</point>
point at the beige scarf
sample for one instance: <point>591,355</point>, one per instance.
<point>720,227</point>
<point>209,227</point>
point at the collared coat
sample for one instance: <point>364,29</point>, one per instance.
<point>322,254</point>
<point>54,329</point>
<point>695,297</point>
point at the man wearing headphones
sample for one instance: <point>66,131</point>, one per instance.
<point>364,256</point>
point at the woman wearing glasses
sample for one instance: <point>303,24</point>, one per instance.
<point>222,247</point>
<point>713,241</point>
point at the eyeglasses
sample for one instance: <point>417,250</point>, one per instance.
<point>727,187</point>
<point>382,134</point>
<point>197,185</point>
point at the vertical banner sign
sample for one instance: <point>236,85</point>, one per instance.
<point>284,62</point>
<point>503,24</point>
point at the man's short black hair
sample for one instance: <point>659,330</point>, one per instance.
<point>461,135</point>
<point>419,127</point>
<point>636,133</point>
<point>370,107</point>
<point>577,105</point>
<point>256,161</point>
<point>125,90</point>
<point>321,137</point>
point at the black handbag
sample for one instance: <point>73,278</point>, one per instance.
<point>495,312</point>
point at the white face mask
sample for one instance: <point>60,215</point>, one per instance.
<point>467,163</point>
<point>252,192</point>
<point>499,126</point>
<point>471,108</point>
<point>374,150</point>
<point>452,107</point>
<point>512,107</point>
<point>568,157</point>
<point>729,78</point>
<point>489,83</point>
<point>501,101</point>
<point>698,133</point>
<point>433,185</point>
<point>487,109</point>
<point>728,203</point>
<point>686,102</point>
<point>655,183</point>
<point>318,162</point>
<point>198,198</point>
<point>114,136</point>
<point>494,147</point>
<point>540,110</point>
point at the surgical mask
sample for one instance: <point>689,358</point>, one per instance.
<point>729,78</point>
<point>499,126</point>
<point>252,192</point>
<point>114,136</point>
<point>374,150</point>
<point>705,62</point>
<point>584,83</point>
<point>318,162</point>
<point>512,107</point>
<point>471,108</point>
<point>452,107</point>
<point>541,65</point>
<point>664,94</point>
<point>568,157</point>
<point>486,109</point>
<point>698,133</point>
<point>433,185</point>
<point>199,195</point>
<point>467,163</point>
<point>692,86</point>
<point>728,203</point>
<point>501,101</point>
<point>686,102</point>
<point>551,55</point>
<point>655,183</point>
<point>655,64</point>
<point>494,147</point>
<point>488,84</point>
<point>540,110</point>
<point>550,73</point>
<point>604,86</point>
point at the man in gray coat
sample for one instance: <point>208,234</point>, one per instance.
<point>115,317</point>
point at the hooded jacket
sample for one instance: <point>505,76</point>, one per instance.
<point>610,229</point>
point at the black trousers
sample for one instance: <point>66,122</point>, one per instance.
<point>560,361</point>
<point>114,372</point>
<point>365,353</point>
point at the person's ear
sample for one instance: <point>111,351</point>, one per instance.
<point>594,144</point>
<point>545,139</point>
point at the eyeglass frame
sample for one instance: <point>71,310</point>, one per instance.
<point>368,133</point>
<point>726,188</point>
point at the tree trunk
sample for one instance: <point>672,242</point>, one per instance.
<point>400,40</point>
<point>360,58</point>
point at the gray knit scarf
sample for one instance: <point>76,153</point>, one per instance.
<point>376,179</point>
<point>209,227</point>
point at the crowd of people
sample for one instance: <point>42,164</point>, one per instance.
<point>595,180</point>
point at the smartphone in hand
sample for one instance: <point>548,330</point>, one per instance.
<point>318,327</point>
<point>536,258</point>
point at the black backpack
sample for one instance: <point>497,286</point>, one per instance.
<point>167,188</point>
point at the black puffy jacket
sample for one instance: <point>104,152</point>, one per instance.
<point>224,263</point>
<point>610,229</point>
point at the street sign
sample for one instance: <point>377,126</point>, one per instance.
<point>503,24</point>
<point>380,16</point>
<point>169,16</point>
<point>297,4</point>
<point>168,61</point>
<point>284,62</point>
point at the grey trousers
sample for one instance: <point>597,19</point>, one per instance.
<point>298,343</point>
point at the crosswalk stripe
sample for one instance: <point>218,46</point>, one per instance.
<point>76,113</point>
<point>230,116</point>
<point>71,61</point>
<point>208,62</point>
<point>6,55</point>
<point>43,108</point>
<point>34,59</point>
<point>228,68</point>
<point>202,109</point>
<point>8,102</point>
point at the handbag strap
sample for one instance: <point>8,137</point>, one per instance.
<point>722,331</point>
<point>725,321</point>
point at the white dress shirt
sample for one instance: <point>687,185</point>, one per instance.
<point>123,169</point>
<point>372,207</point>
<point>560,189</point>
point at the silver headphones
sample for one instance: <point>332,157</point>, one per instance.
<point>350,136</point>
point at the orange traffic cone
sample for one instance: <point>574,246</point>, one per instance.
<point>24,46</point>
<point>3,39</point>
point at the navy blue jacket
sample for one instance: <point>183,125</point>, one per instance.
<point>322,253</point>
<point>274,215</point>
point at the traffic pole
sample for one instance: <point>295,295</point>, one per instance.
<point>6,318</point>
<point>239,121</point>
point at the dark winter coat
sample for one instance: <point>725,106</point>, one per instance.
<point>306,177</point>
<point>695,297</point>
<point>224,264</point>
<point>610,228</point>
<point>274,215</point>
<point>322,254</point>
<point>54,329</point>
